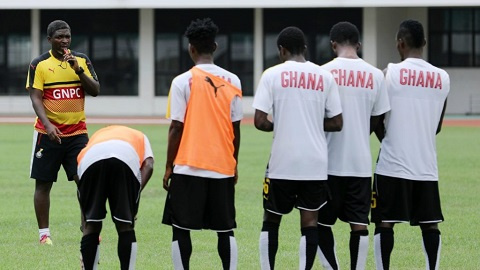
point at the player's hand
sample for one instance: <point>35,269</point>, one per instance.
<point>70,59</point>
<point>53,133</point>
<point>166,177</point>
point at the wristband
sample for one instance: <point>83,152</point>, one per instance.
<point>80,71</point>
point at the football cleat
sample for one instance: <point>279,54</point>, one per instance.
<point>46,240</point>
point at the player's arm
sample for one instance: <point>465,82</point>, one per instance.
<point>175,133</point>
<point>333,124</point>
<point>439,128</point>
<point>379,128</point>
<point>236,145</point>
<point>146,171</point>
<point>261,121</point>
<point>374,121</point>
<point>89,84</point>
<point>36,96</point>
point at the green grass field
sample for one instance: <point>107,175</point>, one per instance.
<point>459,160</point>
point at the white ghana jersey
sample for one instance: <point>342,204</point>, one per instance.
<point>299,96</point>
<point>363,94</point>
<point>179,97</point>
<point>417,92</point>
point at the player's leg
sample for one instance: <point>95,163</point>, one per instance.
<point>89,245</point>
<point>326,248</point>
<point>227,249</point>
<point>127,245</point>
<point>383,242</point>
<point>427,213</point>
<point>123,198</point>
<point>356,209</point>
<point>309,238</point>
<point>311,197</point>
<point>432,245</point>
<point>45,163</point>
<point>278,199</point>
<point>184,211</point>
<point>181,248</point>
<point>41,202</point>
<point>268,243</point>
<point>391,203</point>
<point>327,216</point>
<point>358,246</point>
<point>92,196</point>
<point>220,217</point>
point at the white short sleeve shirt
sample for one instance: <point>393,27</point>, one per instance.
<point>417,91</point>
<point>363,94</point>
<point>299,95</point>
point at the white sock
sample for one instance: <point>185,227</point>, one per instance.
<point>233,253</point>
<point>362,252</point>
<point>263,246</point>
<point>97,258</point>
<point>42,232</point>
<point>133,256</point>
<point>437,263</point>
<point>176,256</point>
<point>377,250</point>
<point>303,253</point>
<point>323,260</point>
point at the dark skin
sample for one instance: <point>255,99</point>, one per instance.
<point>60,41</point>
<point>261,121</point>
<point>405,51</point>
<point>175,131</point>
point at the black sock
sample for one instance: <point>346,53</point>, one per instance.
<point>88,248</point>
<point>326,243</point>
<point>383,245</point>
<point>127,249</point>
<point>224,249</point>
<point>432,245</point>
<point>268,244</point>
<point>356,252</point>
<point>311,243</point>
<point>182,239</point>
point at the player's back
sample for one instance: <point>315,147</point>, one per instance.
<point>299,95</point>
<point>302,96</point>
<point>417,92</point>
<point>362,92</point>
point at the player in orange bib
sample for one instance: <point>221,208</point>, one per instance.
<point>115,166</point>
<point>203,142</point>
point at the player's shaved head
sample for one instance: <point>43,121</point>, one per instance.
<point>56,25</point>
<point>411,32</point>
<point>345,33</point>
<point>292,39</point>
<point>201,34</point>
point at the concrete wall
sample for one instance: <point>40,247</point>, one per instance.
<point>380,26</point>
<point>378,45</point>
<point>464,86</point>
